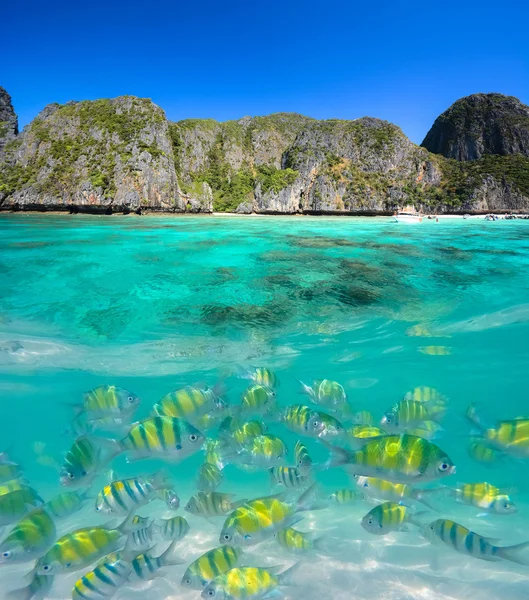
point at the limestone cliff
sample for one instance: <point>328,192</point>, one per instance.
<point>122,154</point>
<point>106,154</point>
<point>479,125</point>
<point>8,120</point>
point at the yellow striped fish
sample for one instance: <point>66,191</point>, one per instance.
<point>211,504</point>
<point>363,417</point>
<point>81,548</point>
<point>302,458</point>
<point>210,565</point>
<point>327,393</point>
<point>189,403</point>
<point>329,427</point>
<point>14,485</point>
<point>409,413</point>
<point>9,472</point>
<point>463,540</point>
<point>170,497</point>
<point>66,504</point>
<point>381,489</point>
<point>302,419</point>
<point>398,458</point>
<point>109,400</point>
<point>485,496</point>
<point>29,539</point>
<point>161,530</point>
<point>103,581</point>
<point>261,376</point>
<point>145,566</point>
<point>39,587</point>
<point>387,517</point>
<point>260,519</point>
<point>16,504</point>
<point>364,431</point>
<point>435,350</point>
<point>175,528</point>
<point>258,400</point>
<point>122,496</point>
<point>483,453</point>
<point>247,431</point>
<point>424,393</point>
<point>289,477</point>
<point>209,477</point>
<point>298,542</point>
<point>85,459</point>
<point>247,583</point>
<point>263,451</point>
<point>511,437</point>
<point>345,496</point>
<point>166,438</point>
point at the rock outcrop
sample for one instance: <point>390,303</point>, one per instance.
<point>8,120</point>
<point>123,155</point>
<point>103,155</point>
<point>478,125</point>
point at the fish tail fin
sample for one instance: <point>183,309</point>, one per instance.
<point>287,576</point>
<point>305,389</point>
<point>339,456</point>
<point>472,415</point>
<point>309,500</point>
<point>243,373</point>
<point>38,588</point>
<point>415,519</point>
<point>511,553</point>
<point>169,557</point>
<point>160,480</point>
<point>424,496</point>
<point>127,526</point>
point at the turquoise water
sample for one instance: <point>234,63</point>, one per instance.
<point>153,304</point>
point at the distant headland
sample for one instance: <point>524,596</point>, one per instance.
<point>122,155</point>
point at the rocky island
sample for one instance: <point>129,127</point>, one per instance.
<point>123,155</point>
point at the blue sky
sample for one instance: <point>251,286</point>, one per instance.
<point>402,61</point>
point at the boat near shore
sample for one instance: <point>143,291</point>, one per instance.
<point>407,216</point>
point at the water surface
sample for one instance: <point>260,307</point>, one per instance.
<point>155,303</point>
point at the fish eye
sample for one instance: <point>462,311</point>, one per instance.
<point>227,537</point>
<point>443,467</point>
<point>316,424</point>
<point>70,475</point>
<point>46,568</point>
<point>187,581</point>
<point>370,522</point>
<point>130,399</point>
<point>193,437</point>
<point>6,554</point>
<point>388,419</point>
<point>507,505</point>
<point>211,592</point>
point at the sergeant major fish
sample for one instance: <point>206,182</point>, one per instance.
<point>397,458</point>
<point>210,565</point>
<point>248,583</point>
<point>461,539</point>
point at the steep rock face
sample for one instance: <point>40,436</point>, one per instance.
<point>107,153</point>
<point>8,120</point>
<point>359,166</point>
<point>228,156</point>
<point>478,125</point>
<point>123,154</point>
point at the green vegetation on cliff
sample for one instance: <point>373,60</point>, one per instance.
<point>82,141</point>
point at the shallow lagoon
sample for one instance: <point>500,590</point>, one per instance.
<point>155,303</point>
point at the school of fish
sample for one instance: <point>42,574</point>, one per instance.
<point>388,464</point>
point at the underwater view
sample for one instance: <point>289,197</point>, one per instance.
<point>231,407</point>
